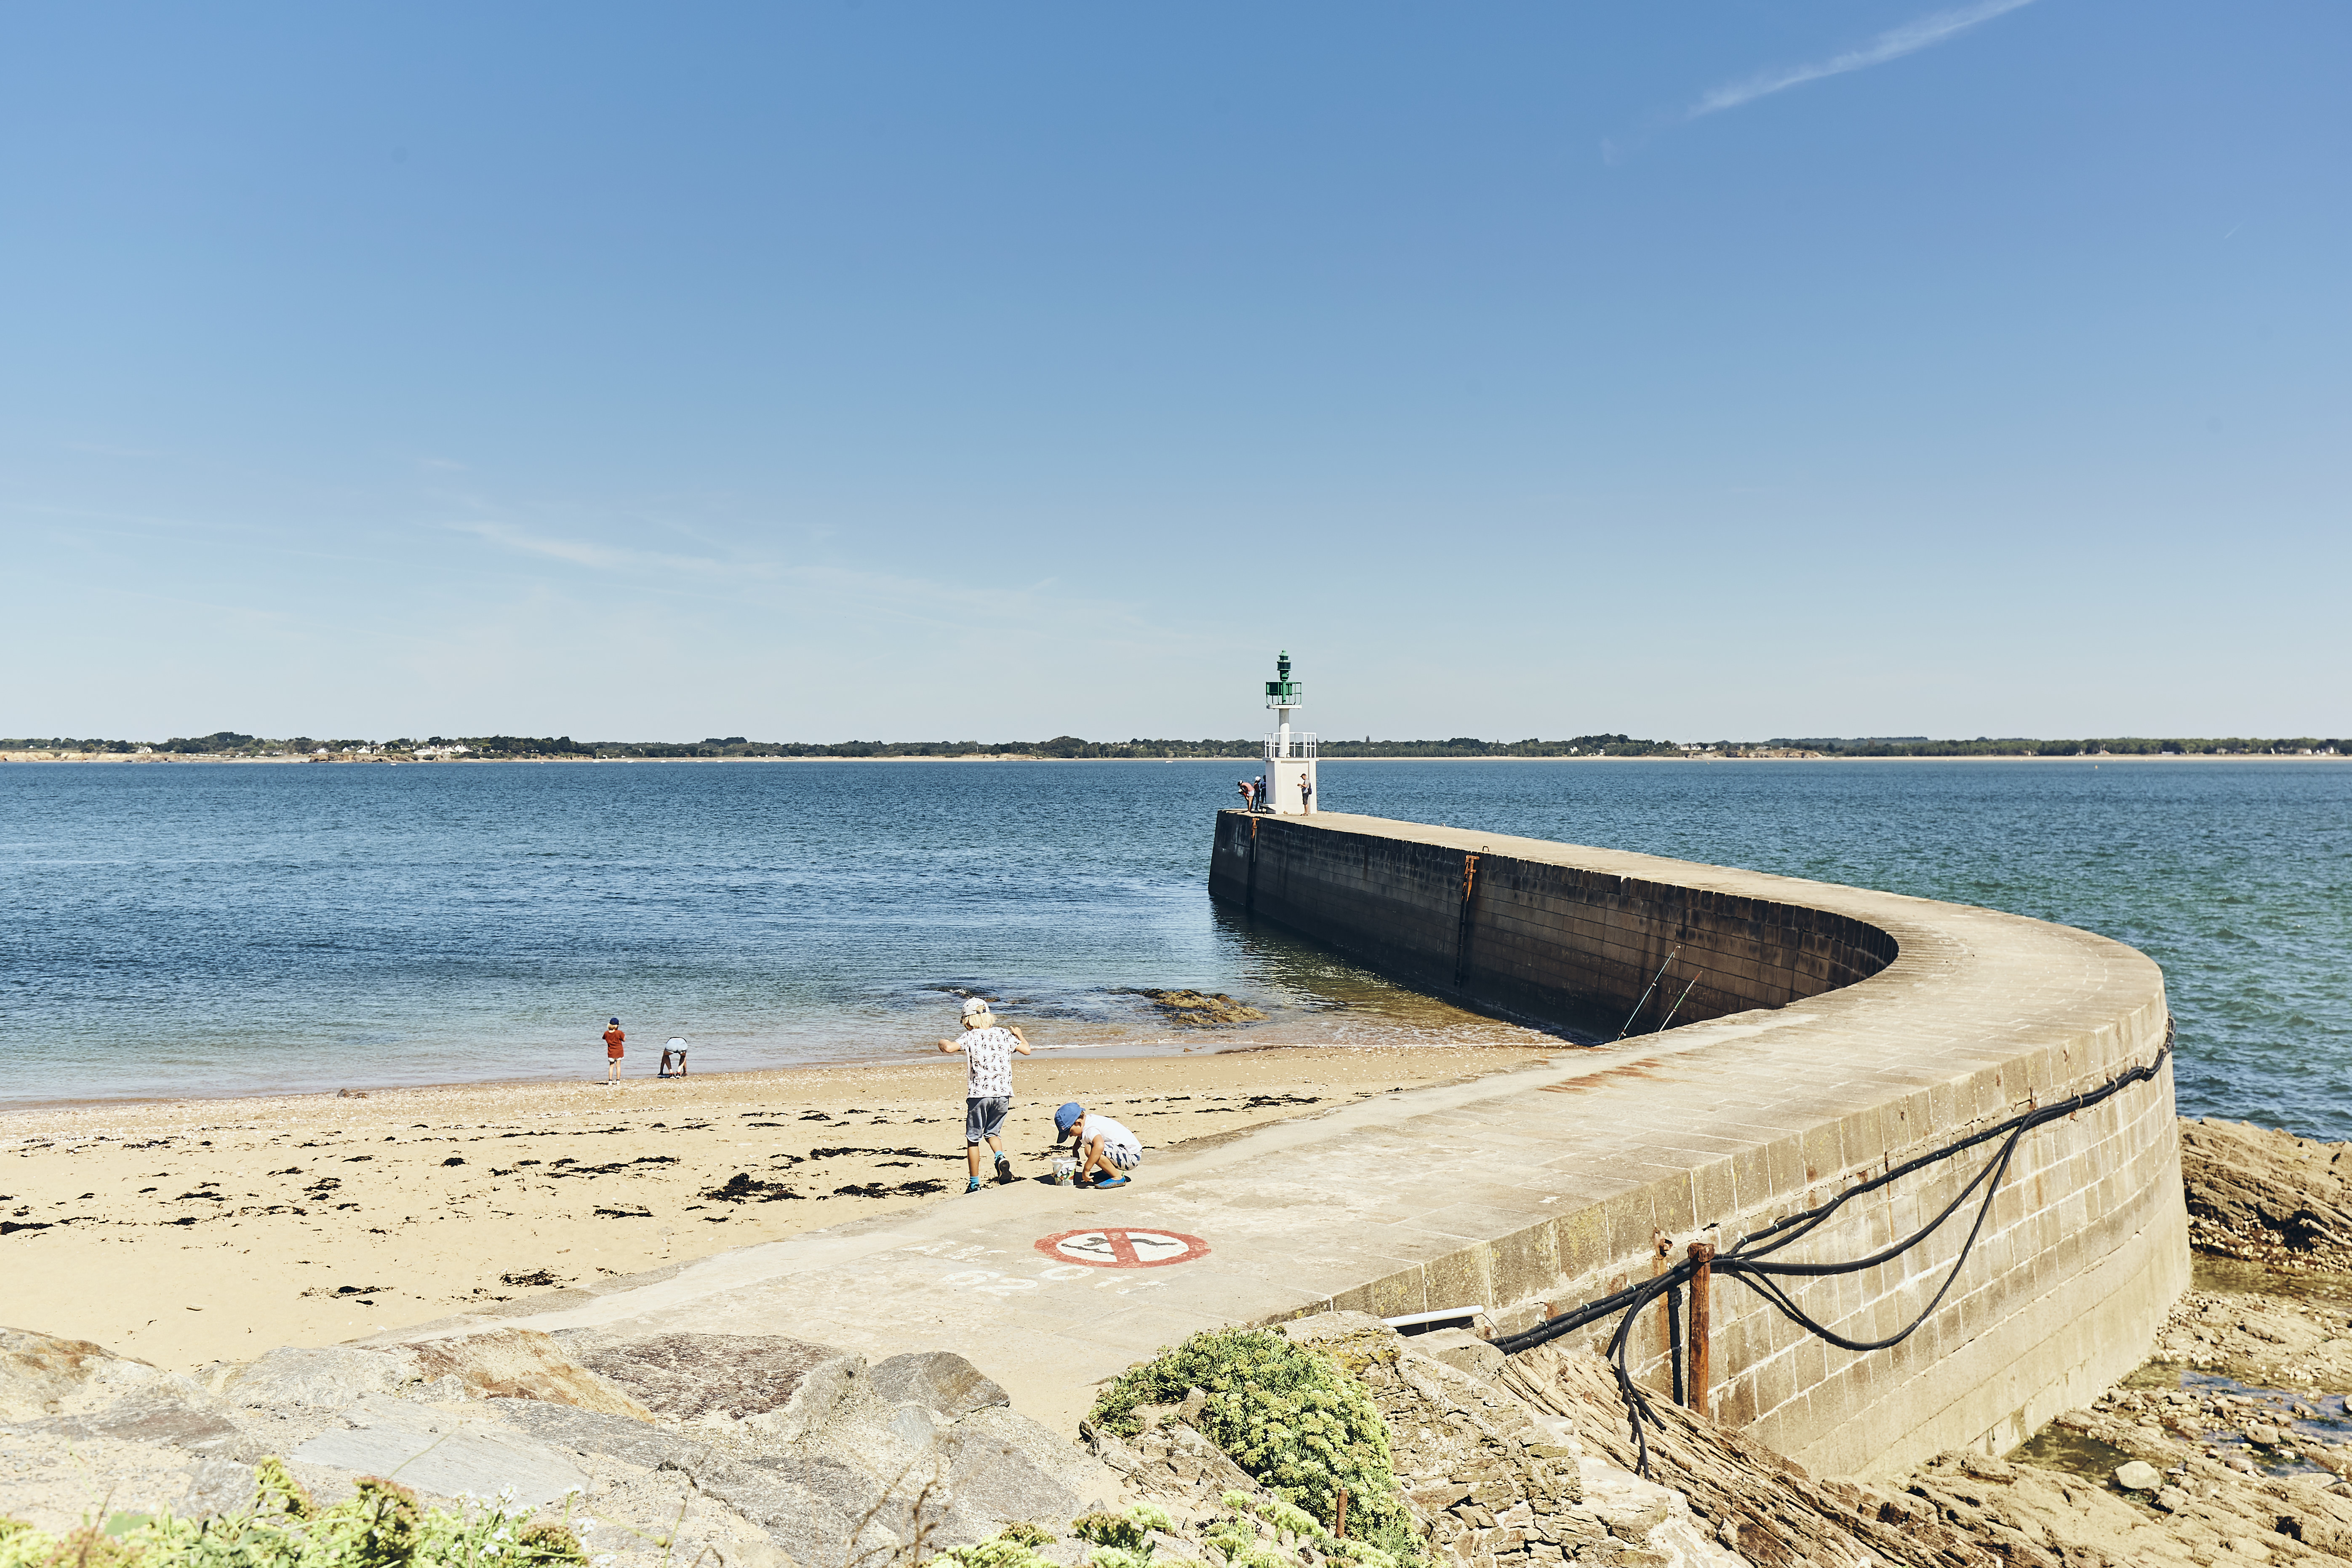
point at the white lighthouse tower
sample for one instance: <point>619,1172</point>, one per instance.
<point>1289,756</point>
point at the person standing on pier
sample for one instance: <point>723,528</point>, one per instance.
<point>988,1050</point>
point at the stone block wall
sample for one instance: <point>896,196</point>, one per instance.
<point>1556,942</point>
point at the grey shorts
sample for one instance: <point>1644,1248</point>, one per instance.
<point>1121,1155</point>
<point>984,1118</point>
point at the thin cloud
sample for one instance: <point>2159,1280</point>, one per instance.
<point>596,557</point>
<point>1892,45</point>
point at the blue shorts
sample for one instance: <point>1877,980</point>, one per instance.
<point>983,1119</point>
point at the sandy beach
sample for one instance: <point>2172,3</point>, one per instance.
<point>318,1218</point>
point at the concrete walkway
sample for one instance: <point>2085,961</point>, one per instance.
<point>1294,1216</point>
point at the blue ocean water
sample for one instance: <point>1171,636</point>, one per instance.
<point>224,929</point>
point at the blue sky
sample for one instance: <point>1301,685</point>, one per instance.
<point>904,371</point>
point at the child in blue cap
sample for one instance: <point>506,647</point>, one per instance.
<point>1107,1150</point>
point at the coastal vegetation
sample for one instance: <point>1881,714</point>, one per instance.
<point>1288,1415</point>
<point>227,744</point>
<point>380,1525</point>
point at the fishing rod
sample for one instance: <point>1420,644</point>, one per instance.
<point>1677,1006</point>
<point>1645,1002</point>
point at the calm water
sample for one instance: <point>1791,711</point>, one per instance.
<point>218,929</point>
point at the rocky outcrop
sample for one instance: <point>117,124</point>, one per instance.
<point>1961,1510</point>
<point>1488,1481</point>
<point>2267,1196</point>
<point>766,1451</point>
<point>774,1452</point>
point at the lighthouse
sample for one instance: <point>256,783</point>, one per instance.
<point>1289,755</point>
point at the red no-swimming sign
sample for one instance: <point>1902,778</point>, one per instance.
<point>1121,1247</point>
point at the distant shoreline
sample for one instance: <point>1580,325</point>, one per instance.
<point>41,759</point>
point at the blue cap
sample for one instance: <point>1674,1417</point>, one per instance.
<point>617,1020</point>
<point>1066,1118</point>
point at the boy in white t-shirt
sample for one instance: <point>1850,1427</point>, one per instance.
<point>988,1051</point>
<point>1107,1150</point>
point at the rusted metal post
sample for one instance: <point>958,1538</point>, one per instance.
<point>1662,1247</point>
<point>1700,1324</point>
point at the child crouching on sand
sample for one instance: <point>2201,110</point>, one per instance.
<point>988,1050</point>
<point>1107,1150</point>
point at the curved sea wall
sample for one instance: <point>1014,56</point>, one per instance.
<point>1822,1036</point>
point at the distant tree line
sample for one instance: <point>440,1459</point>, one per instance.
<point>233,744</point>
<point>2113,746</point>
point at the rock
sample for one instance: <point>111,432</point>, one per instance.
<point>216,1487</point>
<point>2268,1188</point>
<point>1203,1010</point>
<point>691,1375</point>
<point>520,1364</point>
<point>837,1392</point>
<point>2262,1436</point>
<point>591,1431</point>
<point>446,1454</point>
<point>1323,1326</point>
<point>1001,1466</point>
<point>2138,1475</point>
<point>331,1376</point>
<point>42,1374</point>
<point>940,1382</point>
<point>839,1450</point>
<point>1463,1351</point>
<point>175,1412</point>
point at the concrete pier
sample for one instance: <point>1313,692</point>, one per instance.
<point>1851,1031</point>
<point>1838,1032</point>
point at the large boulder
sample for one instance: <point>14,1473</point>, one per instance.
<point>323,1377</point>
<point>688,1376</point>
<point>437,1451</point>
<point>940,1382</point>
<point>75,1389</point>
<point>821,1449</point>
<point>44,1374</point>
<point>520,1364</point>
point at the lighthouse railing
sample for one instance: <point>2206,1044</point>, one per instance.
<point>1302,748</point>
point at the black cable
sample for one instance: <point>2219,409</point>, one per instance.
<point>1760,1274</point>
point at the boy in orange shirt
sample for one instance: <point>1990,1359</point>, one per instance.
<point>613,1038</point>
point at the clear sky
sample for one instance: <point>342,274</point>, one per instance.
<point>898,371</point>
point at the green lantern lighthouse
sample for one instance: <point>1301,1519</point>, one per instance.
<point>1289,756</point>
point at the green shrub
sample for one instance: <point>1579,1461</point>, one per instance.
<point>1001,1551</point>
<point>382,1526</point>
<point>1027,1534</point>
<point>1114,1531</point>
<point>1291,1418</point>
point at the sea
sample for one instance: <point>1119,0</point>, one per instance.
<point>228,928</point>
